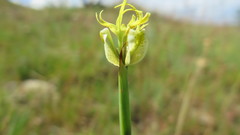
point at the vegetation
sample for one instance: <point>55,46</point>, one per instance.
<point>62,46</point>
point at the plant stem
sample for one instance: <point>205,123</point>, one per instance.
<point>187,101</point>
<point>124,108</point>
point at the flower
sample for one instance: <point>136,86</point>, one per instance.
<point>131,46</point>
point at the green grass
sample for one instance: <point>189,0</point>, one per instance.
<point>63,46</point>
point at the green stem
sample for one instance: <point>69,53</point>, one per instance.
<point>124,108</point>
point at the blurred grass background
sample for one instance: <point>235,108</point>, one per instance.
<point>62,47</point>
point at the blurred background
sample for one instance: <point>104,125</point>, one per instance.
<point>55,79</point>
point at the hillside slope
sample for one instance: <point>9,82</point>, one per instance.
<point>62,46</point>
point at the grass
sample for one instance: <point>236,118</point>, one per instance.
<point>62,46</point>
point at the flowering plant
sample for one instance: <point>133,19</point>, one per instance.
<point>130,48</point>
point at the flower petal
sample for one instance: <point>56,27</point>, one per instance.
<point>110,51</point>
<point>111,26</point>
<point>137,46</point>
